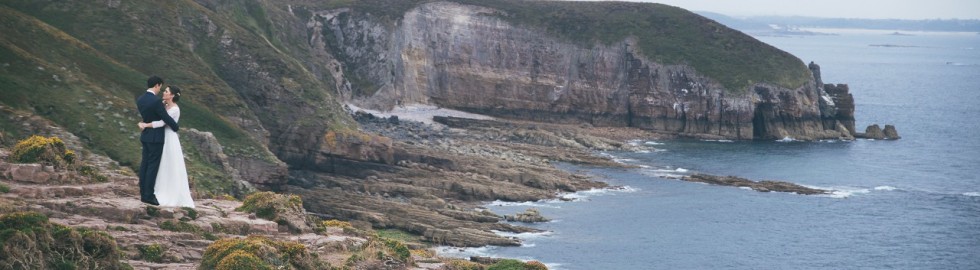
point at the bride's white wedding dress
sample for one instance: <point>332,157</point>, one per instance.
<point>172,188</point>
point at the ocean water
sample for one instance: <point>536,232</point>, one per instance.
<point>913,203</point>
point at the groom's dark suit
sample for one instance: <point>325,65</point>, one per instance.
<point>151,109</point>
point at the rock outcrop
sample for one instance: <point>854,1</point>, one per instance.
<point>530,215</point>
<point>890,133</point>
<point>875,132</point>
<point>461,56</point>
<point>761,186</point>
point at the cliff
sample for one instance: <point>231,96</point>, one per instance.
<point>264,81</point>
<point>486,58</point>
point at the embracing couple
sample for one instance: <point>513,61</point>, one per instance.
<point>163,175</point>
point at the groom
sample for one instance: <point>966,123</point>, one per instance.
<point>151,109</point>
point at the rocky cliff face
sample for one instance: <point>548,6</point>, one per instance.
<point>465,57</point>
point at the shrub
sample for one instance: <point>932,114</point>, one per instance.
<point>4,188</point>
<point>92,173</point>
<point>507,264</point>
<point>463,265</point>
<point>283,209</point>
<point>535,265</point>
<point>152,253</point>
<point>379,250</point>
<point>29,241</point>
<point>40,149</point>
<point>267,253</point>
<point>337,224</point>
<point>241,260</point>
<point>398,249</point>
<point>424,253</point>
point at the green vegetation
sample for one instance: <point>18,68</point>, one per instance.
<point>29,241</point>
<point>81,64</point>
<point>4,188</point>
<point>272,206</point>
<point>510,264</point>
<point>399,235</point>
<point>180,226</point>
<point>152,211</point>
<point>535,265</point>
<point>152,253</point>
<point>463,265</point>
<point>258,252</point>
<point>44,150</point>
<point>190,212</point>
<point>664,33</point>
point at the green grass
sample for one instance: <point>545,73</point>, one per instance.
<point>101,55</point>
<point>664,33</point>
<point>399,235</point>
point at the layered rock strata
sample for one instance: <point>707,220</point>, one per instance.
<point>761,186</point>
<point>463,57</point>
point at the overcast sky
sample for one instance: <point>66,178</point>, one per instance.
<point>873,9</point>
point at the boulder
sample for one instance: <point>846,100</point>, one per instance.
<point>530,215</point>
<point>890,133</point>
<point>874,132</point>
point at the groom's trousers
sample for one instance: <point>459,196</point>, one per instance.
<point>148,170</point>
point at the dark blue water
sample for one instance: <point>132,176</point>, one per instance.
<point>907,204</point>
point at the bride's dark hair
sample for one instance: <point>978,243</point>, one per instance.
<point>174,91</point>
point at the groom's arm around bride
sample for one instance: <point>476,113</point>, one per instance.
<point>151,109</point>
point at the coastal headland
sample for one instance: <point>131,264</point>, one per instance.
<point>371,127</point>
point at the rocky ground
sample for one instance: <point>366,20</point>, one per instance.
<point>447,168</point>
<point>112,206</point>
<point>440,173</point>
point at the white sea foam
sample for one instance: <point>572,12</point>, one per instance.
<point>723,141</point>
<point>465,253</point>
<point>653,143</point>
<point>623,160</point>
<point>585,194</point>
<point>669,173</point>
<point>786,139</point>
<point>530,204</point>
<point>885,188</point>
<point>745,188</point>
<point>972,194</point>
<point>643,151</point>
<point>842,192</point>
<point>522,236</point>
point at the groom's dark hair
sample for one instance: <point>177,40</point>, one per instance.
<point>153,81</point>
<point>174,91</point>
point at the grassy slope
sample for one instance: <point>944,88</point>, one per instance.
<point>665,34</point>
<point>82,64</point>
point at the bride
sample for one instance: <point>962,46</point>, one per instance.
<point>171,187</point>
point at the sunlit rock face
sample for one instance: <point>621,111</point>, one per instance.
<point>463,57</point>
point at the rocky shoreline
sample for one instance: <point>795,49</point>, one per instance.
<point>434,185</point>
<point>761,186</point>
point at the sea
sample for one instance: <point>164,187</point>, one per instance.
<point>912,203</point>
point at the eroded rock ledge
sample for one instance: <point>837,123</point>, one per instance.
<point>761,186</point>
<point>430,179</point>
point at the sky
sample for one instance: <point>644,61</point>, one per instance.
<point>870,9</point>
